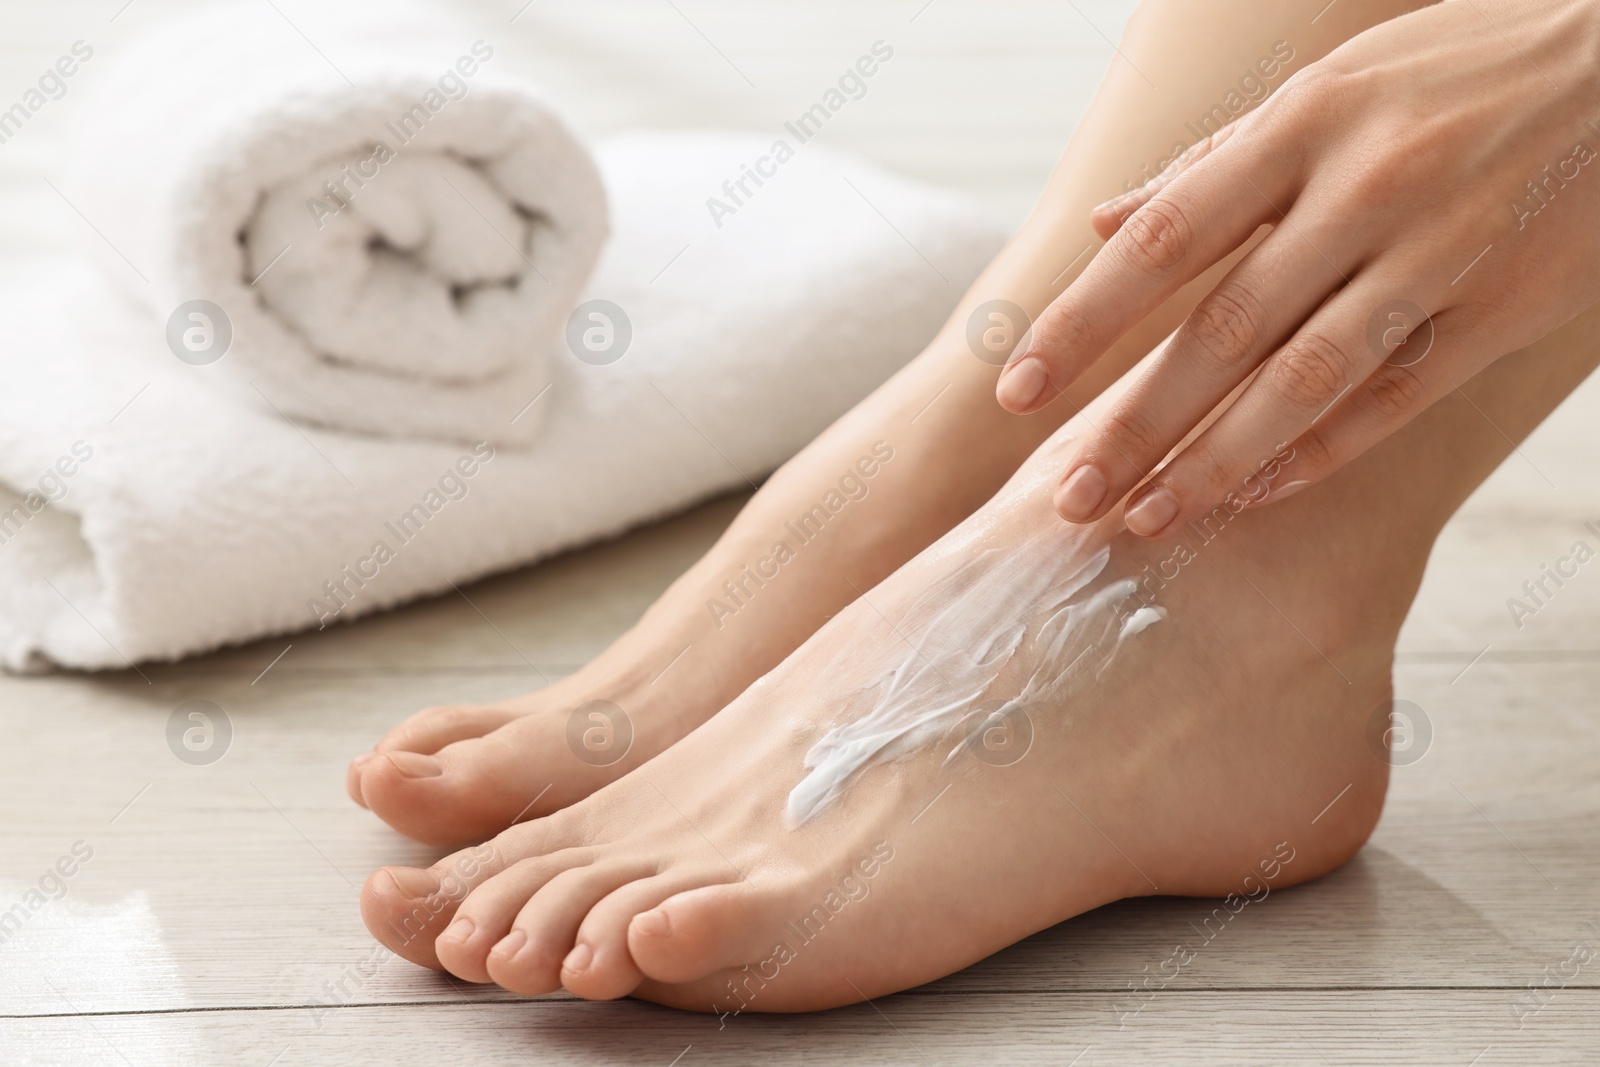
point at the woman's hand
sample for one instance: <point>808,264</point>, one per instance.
<point>1433,188</point>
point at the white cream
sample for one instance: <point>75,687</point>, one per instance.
<point>1141,620</point>
<point>1006,629</point>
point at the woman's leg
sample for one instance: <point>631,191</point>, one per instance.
<point>455,774</point>
<point>1225,749</point>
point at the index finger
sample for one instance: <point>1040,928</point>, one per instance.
<point>1195,220</point>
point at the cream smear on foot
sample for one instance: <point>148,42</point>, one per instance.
<point>1010,628</point>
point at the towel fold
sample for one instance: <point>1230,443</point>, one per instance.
<point>367,226</point>
<point>150,516</point>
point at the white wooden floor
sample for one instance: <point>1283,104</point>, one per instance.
<point>215,920</point>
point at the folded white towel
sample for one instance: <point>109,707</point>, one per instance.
<point>179,520</point>
<point>393,228</point>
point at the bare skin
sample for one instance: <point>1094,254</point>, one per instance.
<point>1412,178</point>
<point>450,775</point>
<point>1200,756</point>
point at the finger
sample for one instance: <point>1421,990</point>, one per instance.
<point>1197,219</point>
<point>1325,359</point>
<point>1107,218</point>
<point>1255,308</point>
<point>1390,397</point>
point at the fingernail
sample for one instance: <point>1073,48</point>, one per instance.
<point>1081,493</point>
<point>1022,383</point>
<point>415,764</point>
<point>1150,514</point>
<point>413,883</point>
<point>510,945</point>
<point>459,930</point>
<point>578,959</point>
<point>653,923</point>
<point>1287,489</point>
<point>1113,202</point>
<point>362,760</point>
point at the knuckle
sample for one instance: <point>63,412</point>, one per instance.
<point>1157,236</point>
<point>1208,476</point>
<point>1062,329</point>
<point>1314,98</point>
<point>1313,454</point>
<point>444,714</point>
<point>1310,371</point>
<point>1315,91</point>
<point>1129,434</point>
<point>1378,180</point>
<point>1488,308</point>
<point>1395,392</point>
<point>1300,97</point>
<point>1226,328</point>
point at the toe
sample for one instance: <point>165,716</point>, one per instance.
<point>484,918</point>
<point>407,908</point>
<point>469,789</point>
<point>531,956</point>
<point>696,933</point>
<point>431,729</point>
<point>424,734</point>
<point>352,776</point>
<point>608,969</point>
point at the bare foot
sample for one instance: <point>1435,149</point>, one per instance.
<point>449,775</point>
<point>452,774</point>
<point>1222,748</point>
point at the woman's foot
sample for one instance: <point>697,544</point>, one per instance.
<point>1223,748</point>
<point>881,484</point>
<point>795,556</point>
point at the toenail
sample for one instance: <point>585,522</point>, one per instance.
<point>653,923</point>
<point>415,764</point>
<point>1023,382</point>
<point>1151,513</point>
<point>1081,493</point>
<point>578,959</point>
<point>460,930</point>
<point>413,883</point>
<point>510,945</point>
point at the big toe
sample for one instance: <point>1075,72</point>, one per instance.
<point>697,933</point>
<point>404,908</point>
<point>469,790</point>
<point>427,732</point>
<point>352,776</point>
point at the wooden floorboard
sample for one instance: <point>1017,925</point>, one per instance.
<point>234,884</point>
<point>1248,1026</point>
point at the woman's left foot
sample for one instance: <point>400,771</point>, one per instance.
<point>1224,748</point>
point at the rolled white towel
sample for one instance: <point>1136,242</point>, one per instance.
<point>393,230</point>
<point>142,517</point>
